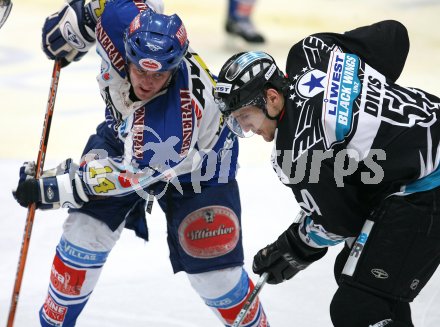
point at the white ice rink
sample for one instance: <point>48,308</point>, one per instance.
<point>137,287</point>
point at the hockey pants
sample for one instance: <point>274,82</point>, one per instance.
<point>82,253</point>
<point>391,261</point>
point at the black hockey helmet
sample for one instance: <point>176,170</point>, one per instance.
<point>243,79</point>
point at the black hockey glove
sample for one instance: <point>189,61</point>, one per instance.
<point>284,258</point>
<point>69,33</point>
<point>58,187</point>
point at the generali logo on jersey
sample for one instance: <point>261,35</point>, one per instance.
<point>138,133</point>
<point>108,46</point>
<point>135,24</point>
<point>141,5</point>
<point>187,120</point>
<point>181,34</point>
<point>209,232</point>
<point>198,111</point>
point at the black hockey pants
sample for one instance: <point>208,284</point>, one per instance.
<point>404,245</point>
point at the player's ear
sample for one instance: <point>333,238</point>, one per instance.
<point>271,95</point>
<point>275,102</point>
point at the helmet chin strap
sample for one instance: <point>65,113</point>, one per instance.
<point>266,113</point>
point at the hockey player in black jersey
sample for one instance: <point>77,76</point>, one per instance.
<point>361,155</point>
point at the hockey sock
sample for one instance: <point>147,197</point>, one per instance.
<point>225,292</point>
<point>74,274</point>
<point>79,259</point>
<point>236,298</point>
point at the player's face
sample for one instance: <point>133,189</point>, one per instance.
<point>252,119</point>
<point>146,84</point>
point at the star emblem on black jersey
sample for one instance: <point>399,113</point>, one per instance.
<point>314,82</point>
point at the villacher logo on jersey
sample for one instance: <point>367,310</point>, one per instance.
<point>209,232</point>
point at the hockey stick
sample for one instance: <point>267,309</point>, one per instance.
<point>263,278</point>
<point>250,300</point>
<point>5,10</point>
<point>32,207</point>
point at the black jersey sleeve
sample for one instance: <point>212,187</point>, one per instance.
<point>332,200</point>
<point>383,45</point>
<point>326,187</point>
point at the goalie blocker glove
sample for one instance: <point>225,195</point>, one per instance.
<point>70,33</point>
<point>284,258</point>
<point>59,187</point>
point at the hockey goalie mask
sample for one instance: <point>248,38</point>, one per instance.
<point>155,42</point>
<point>242,82</point>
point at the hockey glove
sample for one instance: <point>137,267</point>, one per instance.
<point>284,258</point>
<point>70,33</point>
<point>58,187</point>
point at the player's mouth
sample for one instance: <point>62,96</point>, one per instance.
<point>143,90</point>
<point>143,93</point>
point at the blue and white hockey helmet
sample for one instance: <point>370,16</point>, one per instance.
<point>156,42</point>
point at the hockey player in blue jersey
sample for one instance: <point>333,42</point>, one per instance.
<point>361,155</point>
<point>163,135</point>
